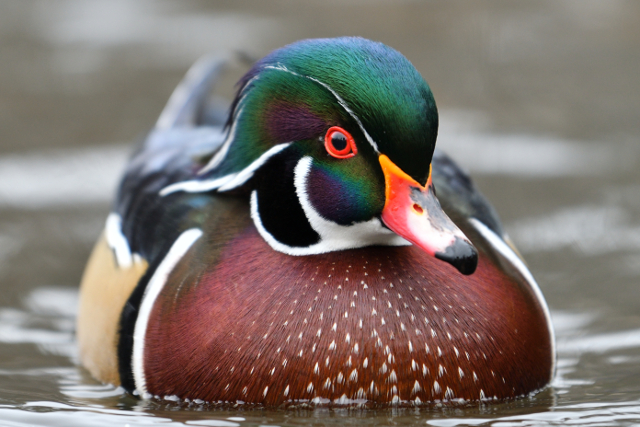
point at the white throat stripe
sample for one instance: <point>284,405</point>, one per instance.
<point>333,236</point>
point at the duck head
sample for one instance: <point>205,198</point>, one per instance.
<point>333,138</point>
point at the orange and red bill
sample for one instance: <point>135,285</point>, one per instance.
<point>412,211</point>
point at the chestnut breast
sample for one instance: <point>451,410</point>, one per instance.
<point>382,324</point>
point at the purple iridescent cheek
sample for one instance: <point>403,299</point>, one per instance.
<point>290,122</point>
<point>339,196</point>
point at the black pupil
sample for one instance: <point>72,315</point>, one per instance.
<point>339,141</point>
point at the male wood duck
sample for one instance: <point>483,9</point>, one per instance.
<point>299,253</point>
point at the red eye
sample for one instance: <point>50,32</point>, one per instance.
<point>339,143</point>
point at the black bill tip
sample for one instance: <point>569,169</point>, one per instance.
<point>462,255</point>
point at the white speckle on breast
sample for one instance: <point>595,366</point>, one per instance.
<point>448,394</point>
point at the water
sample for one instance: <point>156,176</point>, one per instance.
<point>538,100</point>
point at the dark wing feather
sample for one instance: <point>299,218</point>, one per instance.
<point>458,195</point>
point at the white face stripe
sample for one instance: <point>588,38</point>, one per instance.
<point>245,174</point>
<point>117,241</point>
<point>155,285</point>
<point>333,237</point>
<point>341,101</point>
<point>517,263</point>
<point>227,182</point>
<point>222,153</point>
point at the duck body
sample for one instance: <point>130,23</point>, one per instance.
<point>273,260</point>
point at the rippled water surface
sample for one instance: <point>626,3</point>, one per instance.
<point>540,101</point>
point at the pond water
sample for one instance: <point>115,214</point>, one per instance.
<point>540,101</point>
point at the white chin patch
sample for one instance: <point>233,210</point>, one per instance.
<point>333,237</point>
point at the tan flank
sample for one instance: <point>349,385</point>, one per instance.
<point>104,290</point>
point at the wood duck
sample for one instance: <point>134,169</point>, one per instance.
<point>298,253</point>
